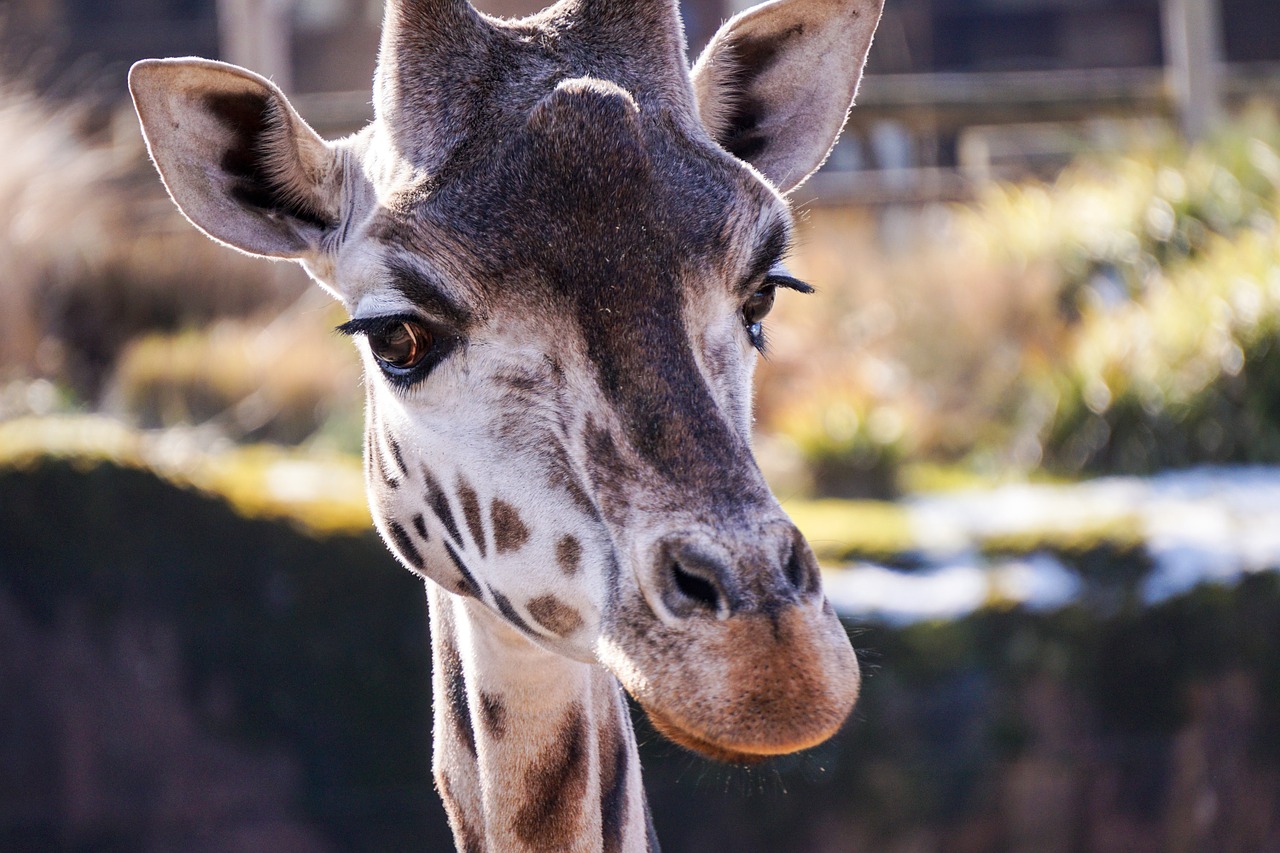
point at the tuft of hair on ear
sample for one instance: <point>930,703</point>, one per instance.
<point>718,91</point>
<point>294,179</point>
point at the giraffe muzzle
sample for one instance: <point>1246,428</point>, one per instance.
<point>736,659</point>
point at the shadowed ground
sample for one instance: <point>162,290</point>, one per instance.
<point>179,677</point>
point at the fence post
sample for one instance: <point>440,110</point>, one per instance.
<point>257,35</point>
<point>1193,63</point>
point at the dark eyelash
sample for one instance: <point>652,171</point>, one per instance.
<point>376,325</point>
<point>760,340</point>
<point>788,282</point>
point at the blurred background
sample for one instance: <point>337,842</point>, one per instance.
<point>1031,423</point>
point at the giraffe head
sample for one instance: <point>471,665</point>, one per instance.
<point>557,245</point>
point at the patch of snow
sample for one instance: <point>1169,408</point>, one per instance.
<point>1210,524</point>
<point>897,596</point>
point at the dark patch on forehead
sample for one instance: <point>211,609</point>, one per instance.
<point>456,704</point>
<point>555,788</point>
<point>466,584</point>
<point>569,554</point>
<point>593,216</point>
<point>509,532</point>
<point>249,116</point>
<point>404,545</point>
<point>554,615</point>
<point>622,271</point>
<point>471,512</point>
<point>493,715</point>
<point>439,503</point>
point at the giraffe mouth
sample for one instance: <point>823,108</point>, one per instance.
<point>707,748</point>
<point>743,689</point>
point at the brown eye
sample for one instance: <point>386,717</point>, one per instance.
<point>758,305</point>
<point>403,346</point>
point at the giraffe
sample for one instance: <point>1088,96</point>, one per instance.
<point>557,243</point>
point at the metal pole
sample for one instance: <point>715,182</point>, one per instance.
<point>257,34</point>
<point>1193,57</point>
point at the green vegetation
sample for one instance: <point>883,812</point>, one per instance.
<point>1174,284</point>
<point>1122,319</point>
<point>1189,373</point>
<point>284,383</point>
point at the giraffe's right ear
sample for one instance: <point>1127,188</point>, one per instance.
<point>236,157</point>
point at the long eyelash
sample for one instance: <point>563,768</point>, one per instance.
<point>761,342</point>
<point>788,282</point>
<point>374,325</point>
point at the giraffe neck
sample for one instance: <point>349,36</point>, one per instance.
<point>533,751</point>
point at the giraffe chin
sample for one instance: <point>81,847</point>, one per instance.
<point>703,747</point>
<point>746,688</point>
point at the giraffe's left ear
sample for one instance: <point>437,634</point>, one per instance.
<point>775,84</point>
<point>236,157</point>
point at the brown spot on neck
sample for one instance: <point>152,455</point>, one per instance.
<point>554,615</point>
<point>613,755</point>
<point>493,716</point>
<point>509,532</point>
<point>555,788</point>
<point>456,706</point>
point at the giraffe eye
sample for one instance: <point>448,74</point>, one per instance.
<point>758,305</point>
<point>754,310</point>
<point>407,347</point>
<point>402,346</point>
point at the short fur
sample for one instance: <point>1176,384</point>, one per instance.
<point>578,219</point>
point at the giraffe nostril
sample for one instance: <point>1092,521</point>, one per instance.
<point>802,568</point>
<point>694,588</point>
<point>692,583</point>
